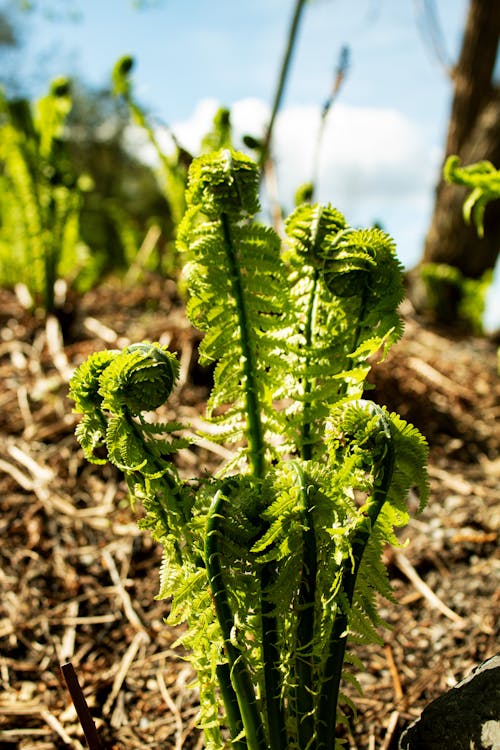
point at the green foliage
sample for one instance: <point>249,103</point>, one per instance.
<point>40,198</point>
<point>274,562</point>
<point>444,282</point>
<point>446,286</point>
<point>483,180</point>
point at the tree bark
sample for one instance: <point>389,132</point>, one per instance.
<point>474,135</point>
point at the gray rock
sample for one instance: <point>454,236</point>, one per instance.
<point>467,717</point>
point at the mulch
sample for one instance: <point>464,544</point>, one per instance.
<point>78,579</point>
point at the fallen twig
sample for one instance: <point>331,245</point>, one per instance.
<point>409,571</point>
<point>396,681</point>
<point>173,708</point>
<point>139,639</point>
<point>391,728</point>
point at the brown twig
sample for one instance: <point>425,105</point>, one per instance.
<point>409,571</point>
<point>396,680</point>
<point>81,707</point>
<point>391,728</point>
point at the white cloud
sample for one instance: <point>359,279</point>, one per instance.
<point>375,164</point>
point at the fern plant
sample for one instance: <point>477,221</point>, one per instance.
<point>40,200</point>
<point>273,563</point>
<point>483,181</point>
<point>441,280</point>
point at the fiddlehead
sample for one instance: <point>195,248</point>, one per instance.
<point>346,285</point>
<point>112,390</point>
<point>235,277</point>
<point>385,456</point>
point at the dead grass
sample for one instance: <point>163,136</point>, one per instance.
<point>78,580</point>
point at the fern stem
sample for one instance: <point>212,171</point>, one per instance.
<point>303,697</point>
<point>240,676</point>
<point>271,658</point>
<point>230,701</point>
<point>307,445</point>
<point>149,450</point>
<point>332,672</point>
<point>359,325</point>
<point>253,410</point>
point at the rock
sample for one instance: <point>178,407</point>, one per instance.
<point>467,717</point>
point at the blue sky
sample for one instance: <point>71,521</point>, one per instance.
<point>383,141</point>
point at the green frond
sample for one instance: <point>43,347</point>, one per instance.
<point>312,228</point>
<point>120,75</point>
<point>139,379</point>
<point>85,383</point>
<point>226,182</point>
<point>237,295</point>
<point>345,286</point>
<point>91,434</point>
<point>483,180</point>
<point>219,136</point>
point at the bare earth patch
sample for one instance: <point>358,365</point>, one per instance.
<point>78,579</point>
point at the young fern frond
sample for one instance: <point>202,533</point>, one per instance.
<point>346,286</point>
<point>41,201</point>
<point>483,181</point>
<point>113,389</point>
<point>236,295</point>
<point>172,169</point>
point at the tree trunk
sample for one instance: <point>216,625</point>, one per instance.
<point>474,135</point>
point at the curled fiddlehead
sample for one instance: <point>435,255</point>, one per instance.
<point>235,278</point>
<point>346,285</point>
<point>384,456</point>
<point>113,389</point>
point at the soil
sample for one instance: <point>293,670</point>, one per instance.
<point>78,579</point>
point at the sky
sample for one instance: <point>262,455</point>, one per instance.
<point>383,139</point>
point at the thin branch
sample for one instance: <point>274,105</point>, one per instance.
<point>285,69</point>
<point>81,707</point>
<point>409,571</point>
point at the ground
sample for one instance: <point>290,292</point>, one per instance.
<point>79,580</point>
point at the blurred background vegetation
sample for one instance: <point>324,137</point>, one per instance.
<point>76,202</point>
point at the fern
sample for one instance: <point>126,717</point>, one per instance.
<point>483,180</point>
<point>274,566</point>
<point>346,286</point>
<point>237,295</point>
<point>40,198</point>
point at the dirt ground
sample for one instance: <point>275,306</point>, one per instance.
<point>78,579</point>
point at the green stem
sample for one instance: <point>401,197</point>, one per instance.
<point>285,67</point>
<point>230,700</point>
<point>332,672</point>
<point>272,660</point>
<point>312,307</point>
<point>149,449</point>
<point>303,697</point>
<point>252,403</point>
<point>307,445</point>
<point>240,676</point>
